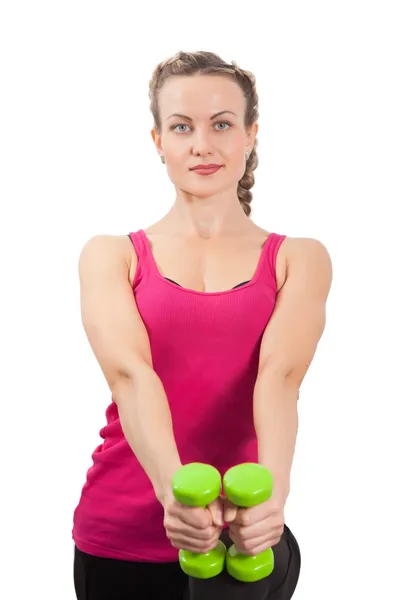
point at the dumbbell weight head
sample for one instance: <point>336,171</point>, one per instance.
<point>199,484</point>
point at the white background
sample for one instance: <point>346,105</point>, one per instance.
<point>77,159</point>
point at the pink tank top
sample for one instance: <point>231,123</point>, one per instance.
<point>205,349</point>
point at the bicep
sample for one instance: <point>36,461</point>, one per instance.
<point>291,337</point>
<point>110,317</point>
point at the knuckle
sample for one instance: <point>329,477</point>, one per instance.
<point>203,535</point>
<point>279,530</point>
<point>210,547</point>
<point>207,534</point>
<point>246,545</point>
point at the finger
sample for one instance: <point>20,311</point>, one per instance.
<point>176,527</point>
<point>250,531</point>
<point>216,510</point>
<point>230,514</point>
<point>230,511</point>
<point>251,546</point>
<point>193,544</point>
<point>261,547</point>
<point>198,518</point>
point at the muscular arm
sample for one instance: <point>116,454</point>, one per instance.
<point>287,349</point>
<point>120,343</point>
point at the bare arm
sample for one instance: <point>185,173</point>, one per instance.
<point>288,346</point>
<point>120,343</point>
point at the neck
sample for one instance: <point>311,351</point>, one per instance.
<point>207,218</point>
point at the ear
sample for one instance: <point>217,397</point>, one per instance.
<point>251,136</point>
<point>157,140</point>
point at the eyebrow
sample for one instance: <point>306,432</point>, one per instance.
<point>221,112</point>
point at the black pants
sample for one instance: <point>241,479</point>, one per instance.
<point>98,578</point>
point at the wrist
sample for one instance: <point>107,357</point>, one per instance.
<point>163,486</point>
<point>281,490</point>
<point>281,484</point>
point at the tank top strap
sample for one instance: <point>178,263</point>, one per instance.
<point>138,242</point>
<point>270,252</point>
<point>144,258</point>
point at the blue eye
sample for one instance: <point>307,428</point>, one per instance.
<point>179,125</point>
<point>223,123</point>
<point>173,127</point>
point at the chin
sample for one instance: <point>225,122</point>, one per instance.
<point>205,191</point>
<point>205,186</point>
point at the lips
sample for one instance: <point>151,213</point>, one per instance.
<point>202,167</point>
<point>207,169</point>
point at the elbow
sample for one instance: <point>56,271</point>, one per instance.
<point>276,382</point>
<point>121,388</point>
<point>275,371</point>
<point>126,382</point>
<point>284,373</point>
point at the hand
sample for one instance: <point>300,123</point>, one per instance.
<point>192,528</point>
<point>257,528</point>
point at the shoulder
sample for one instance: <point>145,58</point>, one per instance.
<point>308,249</point>
<point>308,260</point>
<point>299,254</point>
<point>104,246</point>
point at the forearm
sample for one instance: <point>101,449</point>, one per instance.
<point>276,425</point>
<point>147,425</point>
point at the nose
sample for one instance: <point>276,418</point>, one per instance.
<point>202,144</point>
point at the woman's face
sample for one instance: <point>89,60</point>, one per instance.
<point>200,135</point>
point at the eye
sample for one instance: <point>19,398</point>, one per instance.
<point>223,123</point>
<point>174,127</point>
<point>178,125</point>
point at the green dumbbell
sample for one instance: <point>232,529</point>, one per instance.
<point>198,484</point>
<point>247,485</point>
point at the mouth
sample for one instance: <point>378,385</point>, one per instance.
<point>206,170</point>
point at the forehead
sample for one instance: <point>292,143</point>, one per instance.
<point>200,96</point>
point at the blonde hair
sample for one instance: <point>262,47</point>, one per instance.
<point>208,63</point>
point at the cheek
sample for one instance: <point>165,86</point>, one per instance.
<point>235,152</point>
<point>176,154</point>
<point>177,161</point>
<point>236,161</point>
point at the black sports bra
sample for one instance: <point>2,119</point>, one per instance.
<point>238,285</point>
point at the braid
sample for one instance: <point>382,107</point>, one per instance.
<point>248,179</point>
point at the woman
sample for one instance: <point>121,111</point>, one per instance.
<point>204,359</point>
